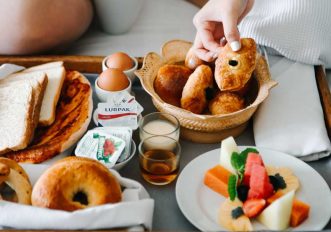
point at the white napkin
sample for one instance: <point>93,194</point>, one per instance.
<point>135,211</point>
<point>291,119</point>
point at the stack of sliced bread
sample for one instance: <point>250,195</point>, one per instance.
<point>28,99</point>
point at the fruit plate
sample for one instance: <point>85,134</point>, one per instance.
<point>200,205</point>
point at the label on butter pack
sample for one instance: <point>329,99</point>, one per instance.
<point>119,110</point>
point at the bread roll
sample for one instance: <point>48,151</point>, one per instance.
<point>225,103</point>
<point>170,82</point>
<point>192,61</point>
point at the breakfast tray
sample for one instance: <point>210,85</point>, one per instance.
<point>92,64</point>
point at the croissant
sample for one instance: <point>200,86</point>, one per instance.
<point>234,69</point>
<point>194,96</point>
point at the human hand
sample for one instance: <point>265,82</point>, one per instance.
<point>217,23</point>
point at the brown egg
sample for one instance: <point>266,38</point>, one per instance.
<point>119,60</point>
<point>113,80</point>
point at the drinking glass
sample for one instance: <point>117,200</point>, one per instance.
<point>158,123</point>
<point>159,159</point>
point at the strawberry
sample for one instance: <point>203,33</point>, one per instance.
<point>253,207</point>
<point>108,147</point>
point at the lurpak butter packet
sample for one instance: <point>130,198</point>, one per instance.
<point>123,115</point>
<point>100,146</point>
<point>119,110</point>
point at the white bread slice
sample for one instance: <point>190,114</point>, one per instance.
<point>56,74</point>
<point>16,110</point>
<point>39,83</point>
<point>42,67</point>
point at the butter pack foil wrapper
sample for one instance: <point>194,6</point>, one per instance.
<point>101,146</point>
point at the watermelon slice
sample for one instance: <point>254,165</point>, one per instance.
<point>252,158</point>
<point>260,186</point>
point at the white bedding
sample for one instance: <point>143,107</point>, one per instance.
<point>158,22</point>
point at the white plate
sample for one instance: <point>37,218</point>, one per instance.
<point>200,204</point>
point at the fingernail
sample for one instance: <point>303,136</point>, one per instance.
<point>215,55</point>
<point>235,46</point>
<point>191,63</point>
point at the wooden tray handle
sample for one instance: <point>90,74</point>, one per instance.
<point>83,64</point>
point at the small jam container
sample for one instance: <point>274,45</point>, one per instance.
<point>108,84</point>
<point>129,72</point>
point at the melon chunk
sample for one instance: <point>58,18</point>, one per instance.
<point>217,179</point>
<point>277,215</point>
<point>300,210</point>
<point>228,146</point>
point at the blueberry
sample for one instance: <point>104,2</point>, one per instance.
<point>242,191</point>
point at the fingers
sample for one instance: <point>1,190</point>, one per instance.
<point>206,32</point>
<point>205,55</point>
<point>231,32</point>
<point>249,6</point>
<point>201,51</point>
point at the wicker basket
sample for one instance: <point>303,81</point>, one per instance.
<point>197,127</point>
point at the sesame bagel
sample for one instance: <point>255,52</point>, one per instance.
<point>76,183</point>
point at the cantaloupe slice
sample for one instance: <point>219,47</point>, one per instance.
<point>217,178</point>
<point>300,210</point>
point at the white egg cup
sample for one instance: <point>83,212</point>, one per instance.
<point>104,94</point>
<point>129,73</point>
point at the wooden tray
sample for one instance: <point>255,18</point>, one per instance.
<point>92,64</point>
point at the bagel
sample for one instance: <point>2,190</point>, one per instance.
<point>11,174</point>
<point>20,185</point>
<point>234,69</point>
<point>14,165</point>
<point>60,186</point>
<point>4,172</point>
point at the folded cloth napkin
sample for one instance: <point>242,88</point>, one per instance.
<point>291,118</point>
<point>134,212</point>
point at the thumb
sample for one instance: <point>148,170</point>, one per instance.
<point>231,32</point>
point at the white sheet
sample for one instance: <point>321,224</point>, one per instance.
<point>158,22</point>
